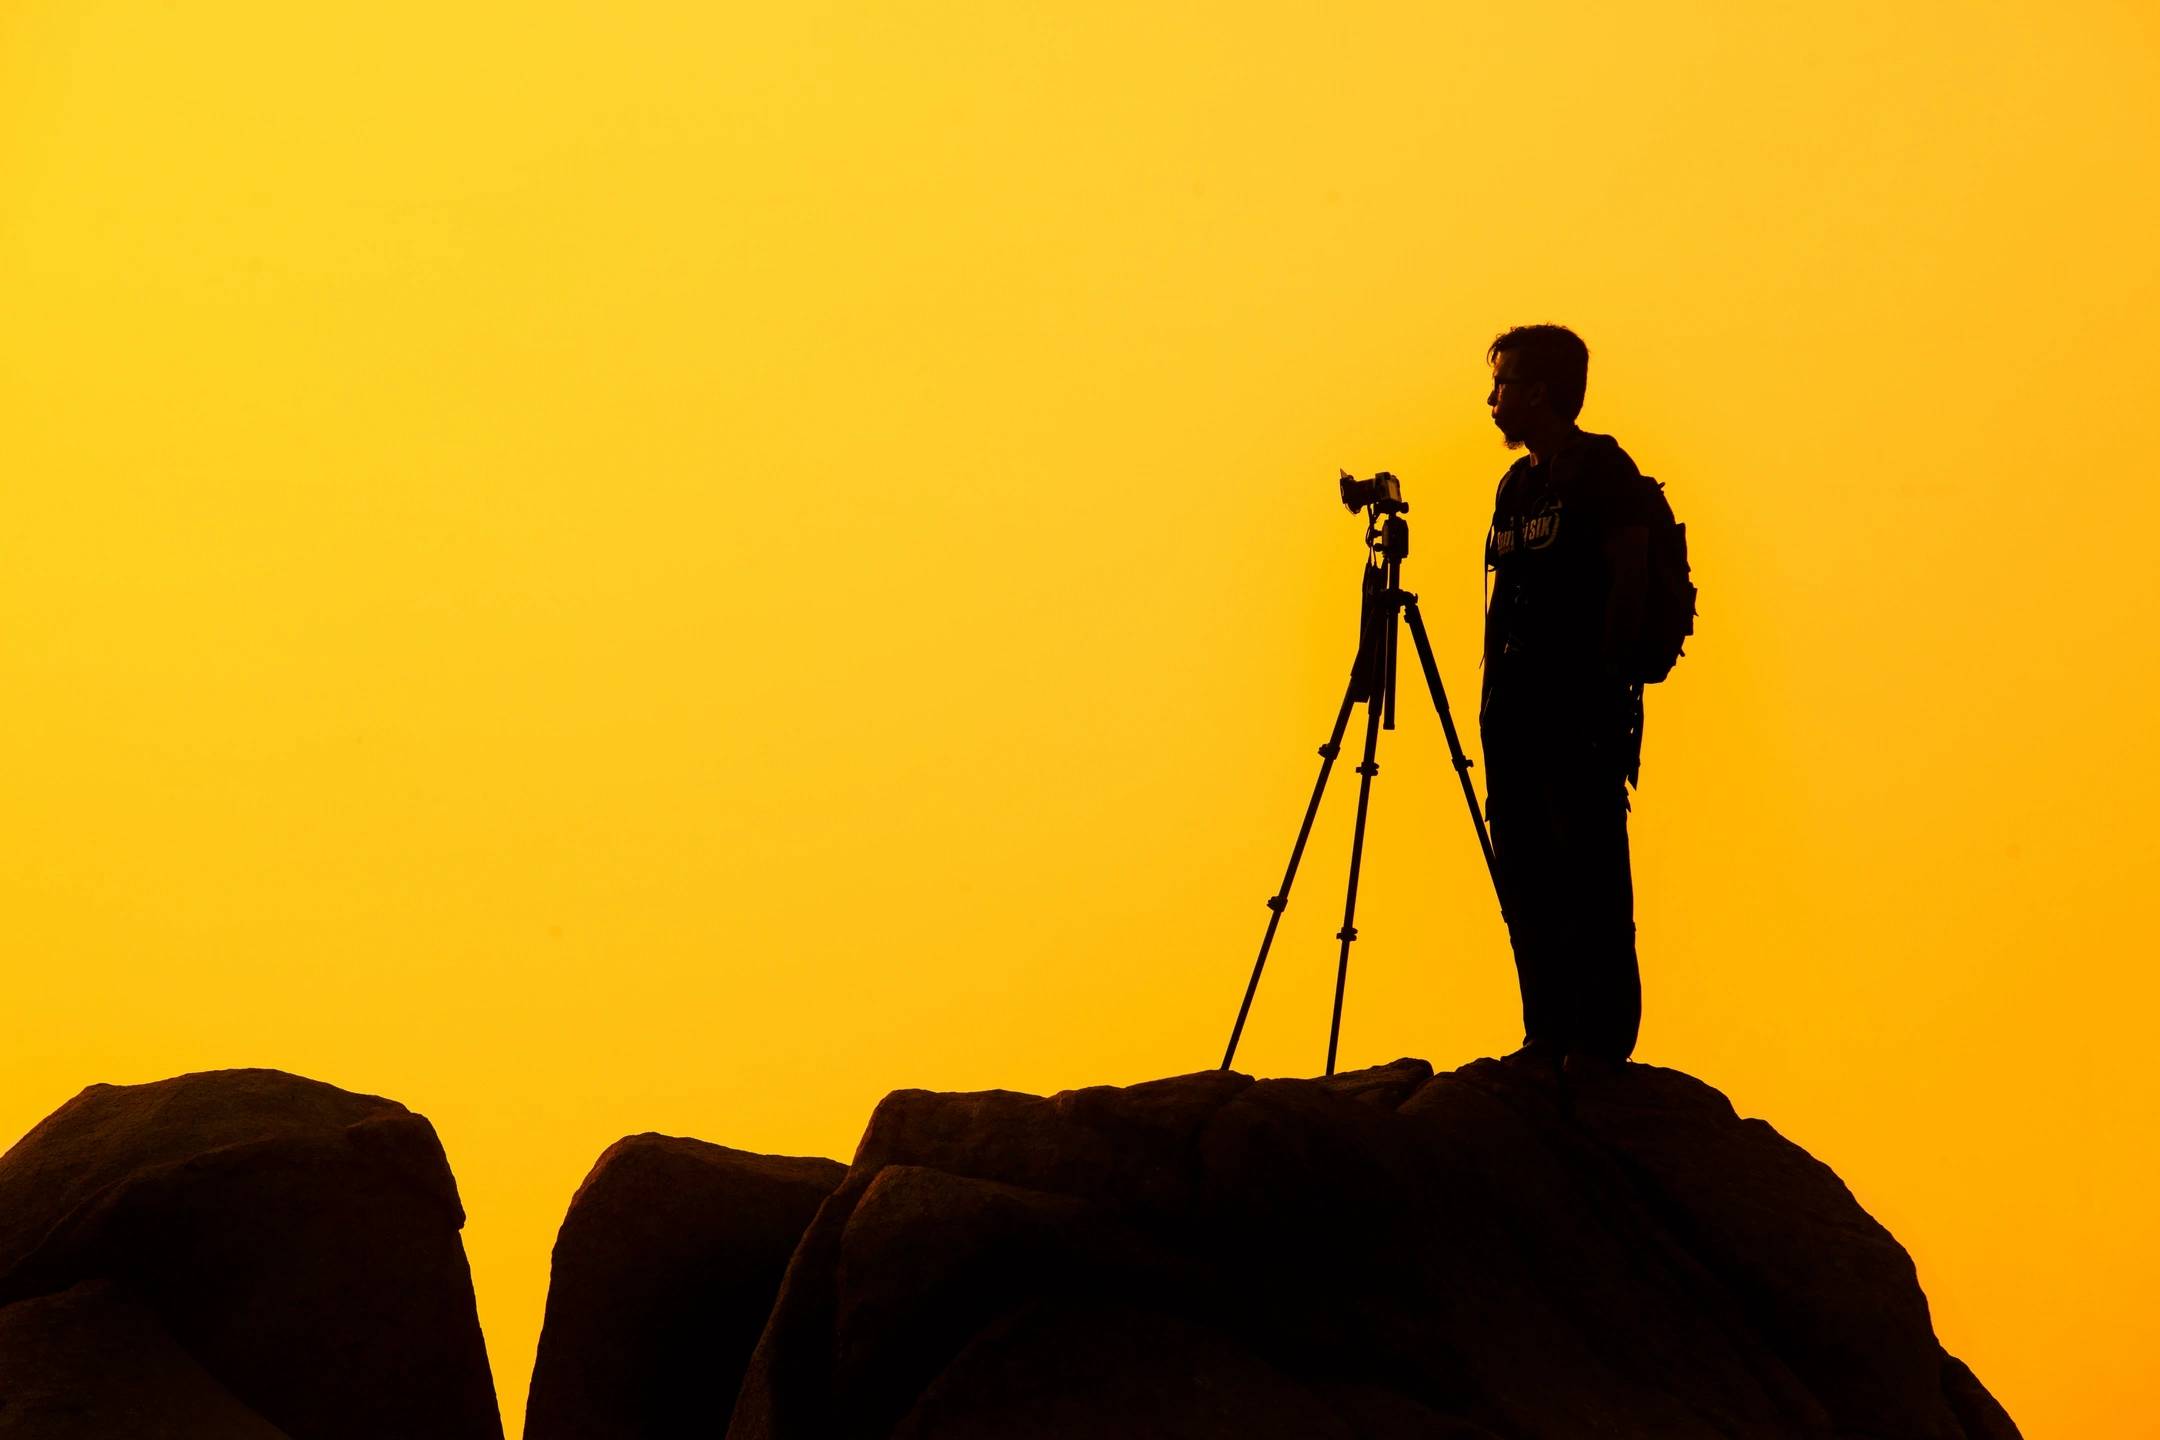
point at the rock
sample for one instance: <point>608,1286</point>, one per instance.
<point>1384,1085</point>
<point>1782,1234</point>
<point>1085,1371</point>
<point>664,1272</point>
<point>91,1363</point>
<point>299,1242</point>
<point>1977,1410</point>
<point>1383,1254</point>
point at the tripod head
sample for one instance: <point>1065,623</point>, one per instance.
<point>1388,537</point>
<point>1387,534</point>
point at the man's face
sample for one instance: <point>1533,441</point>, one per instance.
<point>1513,401</point>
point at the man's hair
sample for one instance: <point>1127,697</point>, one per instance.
<point>1553,354</point>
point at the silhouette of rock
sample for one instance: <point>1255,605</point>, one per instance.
<point>1383,1254</point>
<point>92,1364</point>
<point>664,1272</point>
<point>299,1243</point>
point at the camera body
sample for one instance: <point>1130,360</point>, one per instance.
<point>1383,493</point>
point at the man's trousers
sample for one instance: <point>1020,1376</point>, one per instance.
<point>1558,814</point>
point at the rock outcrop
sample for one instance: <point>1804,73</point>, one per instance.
<point>1384,1254</point>
<point>664,1273</point>
<point>240,1253</point>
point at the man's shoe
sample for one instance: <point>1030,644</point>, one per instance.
<point>1534,1052</point>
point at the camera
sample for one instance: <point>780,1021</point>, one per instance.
<point>1383,492</point>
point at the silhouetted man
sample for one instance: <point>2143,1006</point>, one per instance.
<point>1561,710</point>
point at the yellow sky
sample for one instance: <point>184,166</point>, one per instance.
<point>627,566</point>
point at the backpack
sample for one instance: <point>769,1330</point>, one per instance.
<point>1669,599</point>
<point>1669,594</point>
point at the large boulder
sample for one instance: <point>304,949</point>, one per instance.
<point>664,1272</point>
<point>297,1243</point>
<point>1384,1254</point>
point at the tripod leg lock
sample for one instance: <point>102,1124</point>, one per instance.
<point>1370,767</point>
<point>1277,903</point>
<point>1329,752</point>
<point>1348,932</point>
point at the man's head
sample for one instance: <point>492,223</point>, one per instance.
<point>1539,374</point>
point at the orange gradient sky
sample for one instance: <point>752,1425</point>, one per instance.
<point>605,567</point>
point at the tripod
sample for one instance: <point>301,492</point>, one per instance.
<point>1372,683</point>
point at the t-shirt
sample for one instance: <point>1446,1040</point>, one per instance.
<point>1545,625</point>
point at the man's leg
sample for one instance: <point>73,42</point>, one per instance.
<point>1603,981</point>
<point>1519,818</point>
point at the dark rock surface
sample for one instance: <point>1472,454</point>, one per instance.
<point>92,1364</point>
<point>296,1242</point>
<point>1383,1254</point>
<point>664,1272</point>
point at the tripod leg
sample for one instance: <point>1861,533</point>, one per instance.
<point>1454,742</point>
<point>1281,898</point>
<point>1375,706</point>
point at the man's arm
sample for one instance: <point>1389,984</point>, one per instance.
<point>1627,559</point>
